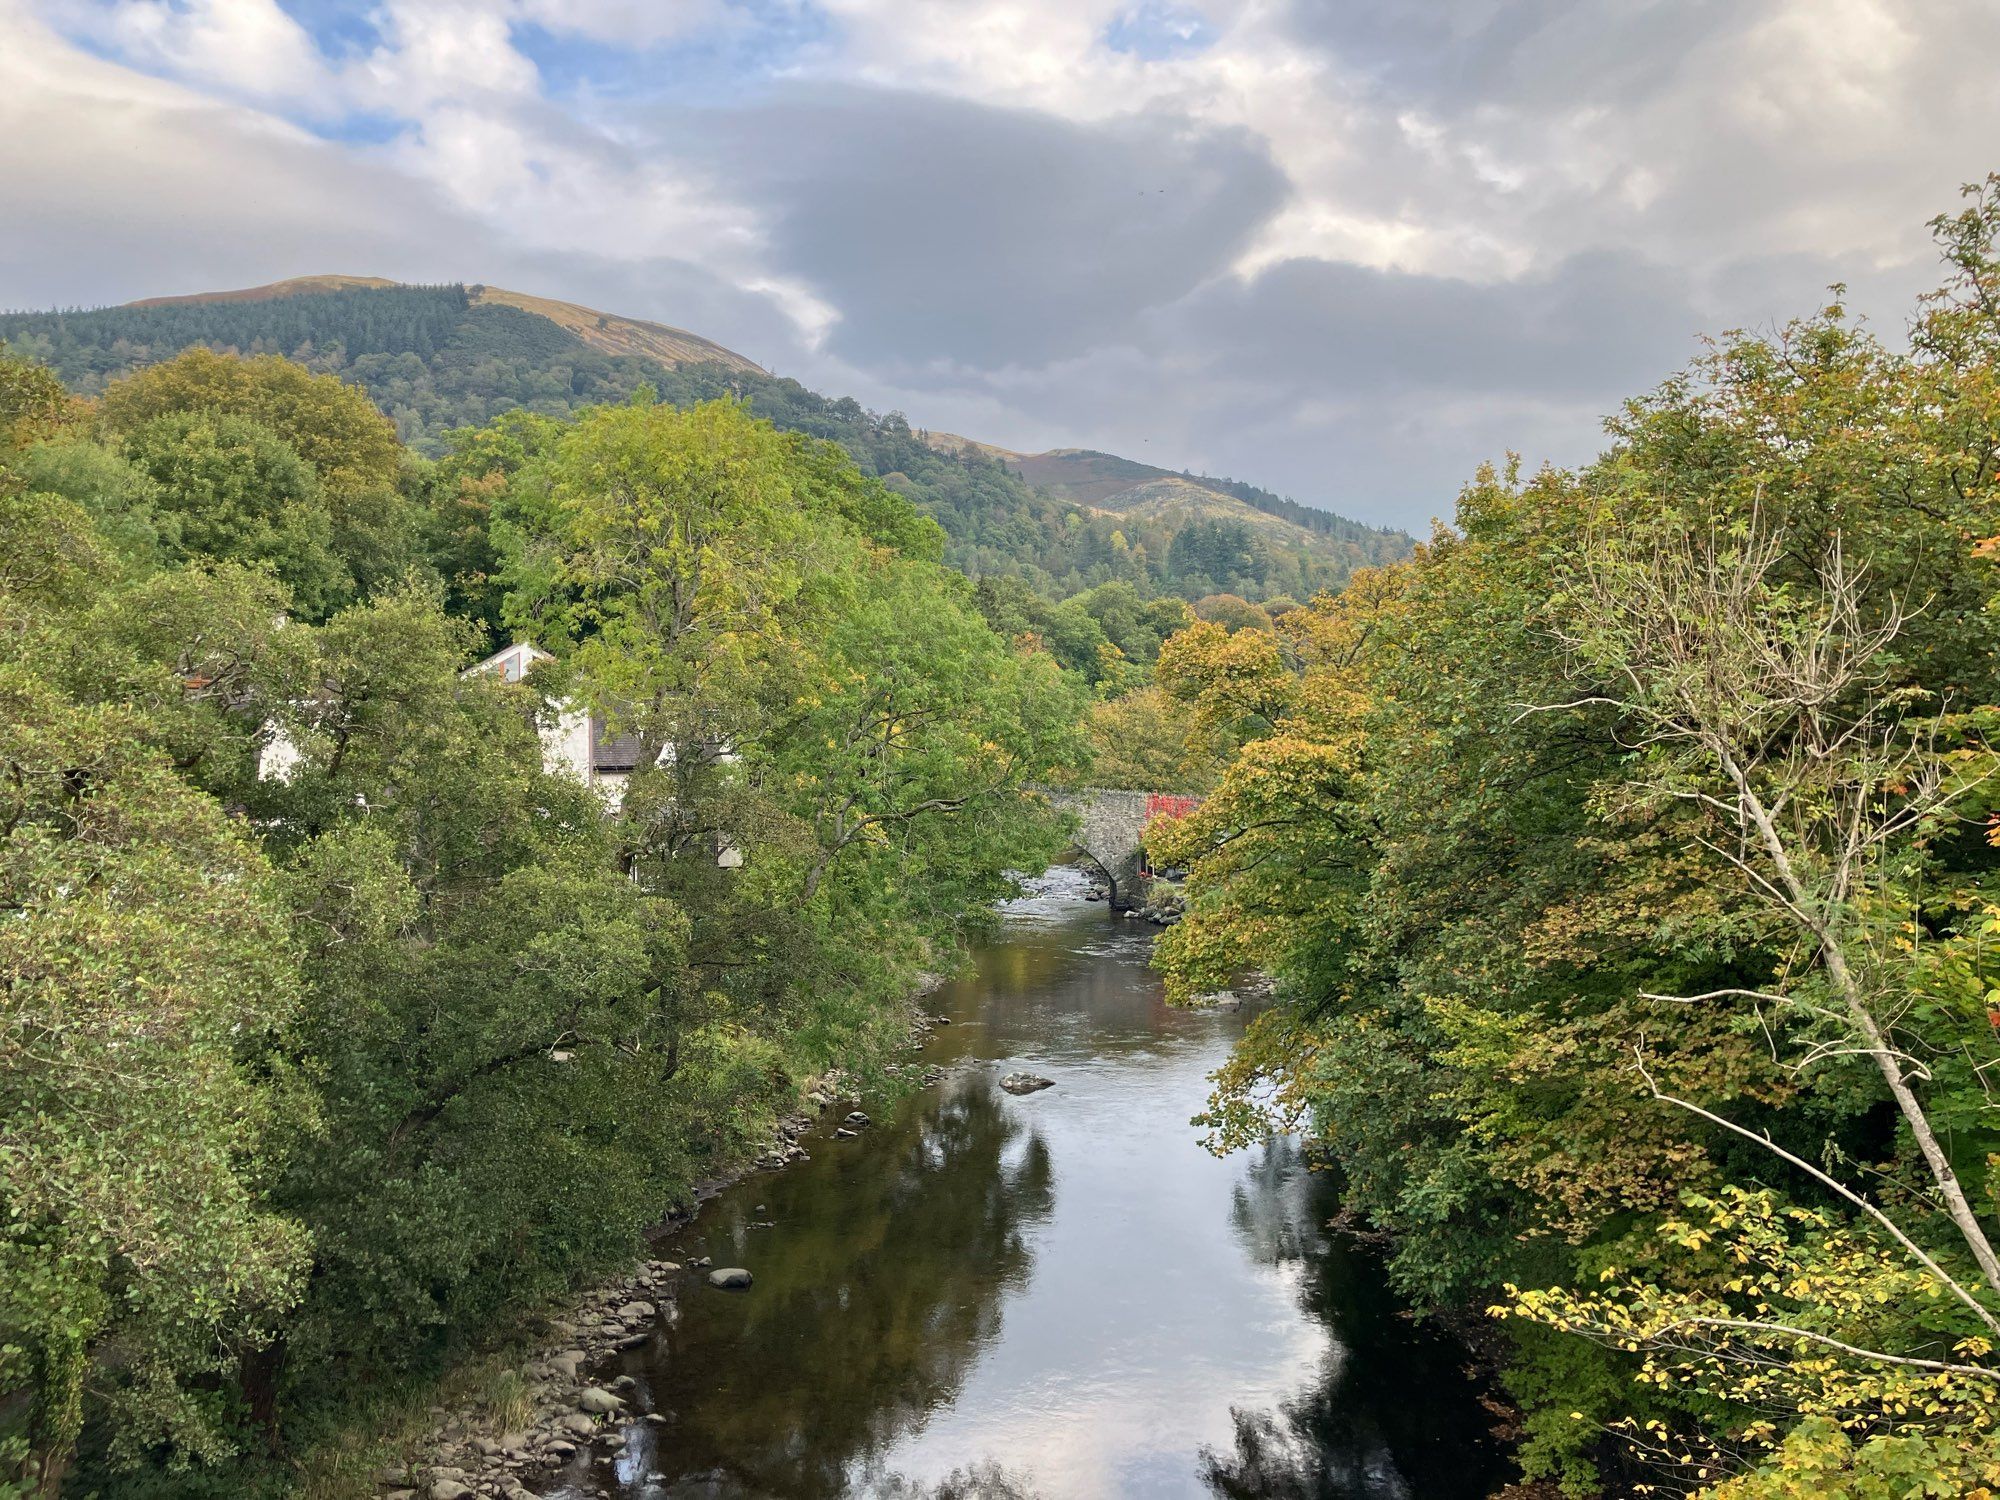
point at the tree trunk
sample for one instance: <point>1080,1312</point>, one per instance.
<point>1833,958</point>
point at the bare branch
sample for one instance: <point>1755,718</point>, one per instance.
<point>1916,1251</point>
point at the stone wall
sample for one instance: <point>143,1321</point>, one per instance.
<point>1111,823</point>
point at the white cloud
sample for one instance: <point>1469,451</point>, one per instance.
<point>244,48</point>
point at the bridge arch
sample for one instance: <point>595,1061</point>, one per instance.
<point>1111,828</point>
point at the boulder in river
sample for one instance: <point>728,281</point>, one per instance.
<point>730,1278</point>
<point>598,1401</point>
<point>1026,1083</point>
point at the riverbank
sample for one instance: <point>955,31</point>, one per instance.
<point>509,1416</point>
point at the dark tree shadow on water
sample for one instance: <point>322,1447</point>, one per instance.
<point>867,1312</point>
<point>1391,1414</point>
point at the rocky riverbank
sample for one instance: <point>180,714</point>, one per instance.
<point>1162,906</point>
<point>564,1411</point>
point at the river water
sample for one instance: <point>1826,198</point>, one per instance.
<point>1057,1295</point>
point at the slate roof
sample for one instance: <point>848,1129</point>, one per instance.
<point>617,754</point>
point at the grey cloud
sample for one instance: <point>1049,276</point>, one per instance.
<point>1378,393</point>
<point>107,201</point>
<point>1599,321</point>
<point>950,231</point>
<point>1461,55</point>
<point>1023,278</point>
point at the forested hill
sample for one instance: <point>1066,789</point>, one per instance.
<point>438,358</point>
<point>1107,482</point>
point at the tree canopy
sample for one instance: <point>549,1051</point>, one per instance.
<point>1623,862</point>
<point>308,1074</point>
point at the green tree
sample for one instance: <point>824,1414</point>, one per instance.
<point>148,971</point>
<point>347,443</point>
<point>226,488</point>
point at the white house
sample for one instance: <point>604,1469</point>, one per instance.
<point>577,744</point>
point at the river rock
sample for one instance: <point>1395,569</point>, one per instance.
<point>578,1425</point>
<point>730,1278</point>
<point>568,1362</point>
<point>842,1133</point>
<point>1026,1083</point>
<point>635,1310</point>
<point>598,1401</point>
<point>450,1489</point>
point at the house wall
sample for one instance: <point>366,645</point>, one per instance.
<point>566,745</point>
<point>278,756</point>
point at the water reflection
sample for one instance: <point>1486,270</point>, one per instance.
<point>879,1279</point>
<point>990,1298</point>
<point>1380,1421</point>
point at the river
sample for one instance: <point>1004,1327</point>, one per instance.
<point>1056,1295</point>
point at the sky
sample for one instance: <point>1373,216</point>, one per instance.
<point>1344,249</point>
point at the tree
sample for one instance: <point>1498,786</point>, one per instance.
<point>1231,611</point>
<point>226,488</point>
<point>334,427</point>
<point>1144,739</point>
<point>33,404</point>
<point>1772,713</point>
<point>348,445</point>
<point>669,548</point>
<point>148,970</point>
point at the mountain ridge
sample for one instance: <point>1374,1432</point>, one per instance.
<point>439,358</point>
<point>1108,484</point>
<point>611,333</point>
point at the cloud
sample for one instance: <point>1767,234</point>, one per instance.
<point>1344,250</point>
<point>247,47</point>
<point>117,187</point>
<point>1599,321</point>
<point>949,232</point>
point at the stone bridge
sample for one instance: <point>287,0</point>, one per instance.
<point>1111,822</point>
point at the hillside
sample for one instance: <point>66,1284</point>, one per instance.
<point>1122,486</point>
<point>605,332</point>
<point>439,358</point>
<point>319,308</point>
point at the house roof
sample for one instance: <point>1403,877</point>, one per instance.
<point>615,753</point>
<point>511,662</point>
